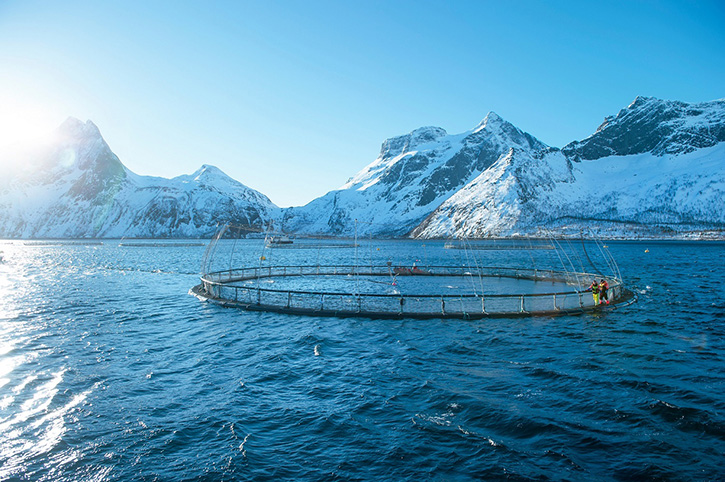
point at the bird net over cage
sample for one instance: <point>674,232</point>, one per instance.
<point>260,270</point>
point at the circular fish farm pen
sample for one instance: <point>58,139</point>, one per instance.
<point>376,278</point>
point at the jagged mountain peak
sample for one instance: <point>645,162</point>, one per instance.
<point>656,126</point>
<point>642,100</point>
<point>492,119</point>
<point>398,145</point>
<point>207,171</point>
<point>413,175</point>
<point>75,148</point>
<point>74,128</point>
<point>206,174</point>
<point>77,187</point>
<point>503,133</point>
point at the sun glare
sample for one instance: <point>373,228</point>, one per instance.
<point>23,126</point>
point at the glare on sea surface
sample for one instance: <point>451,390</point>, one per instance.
<point>33,420</point>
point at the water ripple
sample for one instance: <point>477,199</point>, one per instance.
<point>109,371</point>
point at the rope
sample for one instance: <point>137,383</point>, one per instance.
<point>468,263</point>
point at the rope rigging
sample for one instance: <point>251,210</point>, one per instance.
<point>432,289</point>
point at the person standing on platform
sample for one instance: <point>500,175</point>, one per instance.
<point>594,288</point>
<point>603,296</point>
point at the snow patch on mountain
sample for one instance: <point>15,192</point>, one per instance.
<point>529,195</point>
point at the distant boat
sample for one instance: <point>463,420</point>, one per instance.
<point>279,240</point>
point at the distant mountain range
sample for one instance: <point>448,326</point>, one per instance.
<point>657,168</point>
<point>76,187</point>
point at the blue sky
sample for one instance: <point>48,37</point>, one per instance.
<point>294,97</point>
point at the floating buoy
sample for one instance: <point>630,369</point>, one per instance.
<point>646,250</point>
<point>263,258</point>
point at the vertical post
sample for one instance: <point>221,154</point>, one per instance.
<point>522,303</point>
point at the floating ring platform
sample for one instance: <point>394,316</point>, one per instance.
<point>275,289</point>
<point>374,290</point>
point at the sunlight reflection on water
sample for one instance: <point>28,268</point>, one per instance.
<point>110,371</point>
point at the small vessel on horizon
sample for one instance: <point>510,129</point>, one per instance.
<point>282,239</point>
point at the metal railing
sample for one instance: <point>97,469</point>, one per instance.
<point>228,288</point>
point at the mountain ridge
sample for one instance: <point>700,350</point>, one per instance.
<point>77,187</point>
<point>656,164</point>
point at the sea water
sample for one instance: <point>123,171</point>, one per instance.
<point>109,370</point>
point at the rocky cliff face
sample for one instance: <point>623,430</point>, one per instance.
<point>411,177</point>
<point>655,126</point>
<point>75,186</point>
<point>658,166</point>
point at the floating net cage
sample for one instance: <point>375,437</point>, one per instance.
<point>253,270</point>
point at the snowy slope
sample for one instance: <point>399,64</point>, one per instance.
<point>411,177</point>
<point>656,126</point>
<point>658,166</point>
<point>75,186</point>
<point>516,190</point>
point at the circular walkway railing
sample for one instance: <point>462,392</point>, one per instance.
<point>243,288</point>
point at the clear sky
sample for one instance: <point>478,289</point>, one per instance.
<point>294,97</point>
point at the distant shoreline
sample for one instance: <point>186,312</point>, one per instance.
<point>182,241</point>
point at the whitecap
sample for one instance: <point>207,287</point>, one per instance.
<point>241,447</point>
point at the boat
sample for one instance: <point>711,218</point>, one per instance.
<point>274,240</point>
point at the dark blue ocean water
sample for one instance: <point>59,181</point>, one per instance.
<point>109,370</point>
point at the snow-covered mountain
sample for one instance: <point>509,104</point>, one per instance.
<point>660,127</point>
<point>656,167</point>
<point>411,177</point>
<point>75,186</point>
